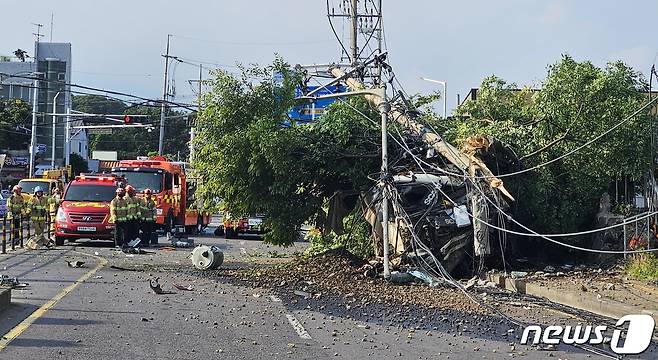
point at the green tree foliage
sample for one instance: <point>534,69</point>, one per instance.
<point>256,165</point>
<point>13,114</point>
<point>78,164</point>
<point>131,143</point>
<point>577,102</point>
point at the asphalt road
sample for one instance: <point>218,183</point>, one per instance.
<point>111,313</point>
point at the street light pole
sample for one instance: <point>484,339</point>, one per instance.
<point>33,135</point>
<point>445,93</point>
<point>52,151</point>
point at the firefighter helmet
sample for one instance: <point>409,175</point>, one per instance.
<point>38,189</point>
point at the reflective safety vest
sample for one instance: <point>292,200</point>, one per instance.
<point>118,210</point>
<point>16,206</point>
<point>38,208</point>
<point>134,208</point>
<point>54,202</point>
<point>149,212</point>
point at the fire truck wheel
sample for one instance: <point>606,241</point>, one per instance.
<point>231,234</point>
<point>219,231</point>
<point>59,240</point>
<point>169,223</point>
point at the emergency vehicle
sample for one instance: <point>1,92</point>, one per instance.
<point>85,209</point>
<point>172,191</point>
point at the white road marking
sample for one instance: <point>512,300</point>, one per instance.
<point>275,298</point>
<point>298,327</point>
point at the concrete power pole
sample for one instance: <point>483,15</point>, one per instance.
<point>354,48</point>
<point>192,128</point>
<point>164,100</point>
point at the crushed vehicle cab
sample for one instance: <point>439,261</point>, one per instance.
<point>85,209</point>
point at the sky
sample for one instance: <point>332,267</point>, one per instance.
<point>117,45</point>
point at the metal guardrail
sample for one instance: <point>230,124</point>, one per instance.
<point>18,237</point>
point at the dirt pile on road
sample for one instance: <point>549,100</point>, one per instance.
<point>338,273</point>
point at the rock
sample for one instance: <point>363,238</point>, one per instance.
<point>610,286</point>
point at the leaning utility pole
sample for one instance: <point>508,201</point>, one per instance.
<point>164,100</point>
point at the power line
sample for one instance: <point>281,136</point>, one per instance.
<point>185,106</point>
<point>254,43</point>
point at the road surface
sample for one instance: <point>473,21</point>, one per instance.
<point>106,310</point>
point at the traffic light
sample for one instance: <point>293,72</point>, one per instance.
<point>126,119</point>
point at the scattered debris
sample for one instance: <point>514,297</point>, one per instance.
<point>303,294</point>
<point>549,269</point>
<point>116,267</point>
<point>5,280</point>
<point>472,282</point>
<point>75,264</point>
<point>155,286</point>
<point>135,251</point>
<point>402,277</point>
<point>181,287</point>
<point>134,243</point>
<point>178,237</point>
<point>425,277</point>
<point>518,274</point>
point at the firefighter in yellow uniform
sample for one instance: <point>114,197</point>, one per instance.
<point>53,203</point>
<point>149,214</point>
<point>38,210</point>
<point>134,214</point>
<point>119,216</point>
<point>16,208</point>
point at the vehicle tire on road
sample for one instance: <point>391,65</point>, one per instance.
<point>219,231</point>
<point>59,240</point>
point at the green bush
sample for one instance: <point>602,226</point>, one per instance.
<point>643,267</point>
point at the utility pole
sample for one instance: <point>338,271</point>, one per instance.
<point>354,49</point>
<point>164,100</point>
<point>384,108</point>
<point>197,114</point>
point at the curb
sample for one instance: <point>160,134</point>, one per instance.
<point>584,301</point>
<point>5,298</point>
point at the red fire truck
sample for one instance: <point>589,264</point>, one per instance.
<point>85,209</point>
<point>172,191</point>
